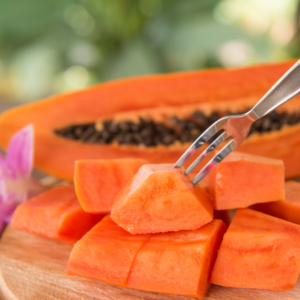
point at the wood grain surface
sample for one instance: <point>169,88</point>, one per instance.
<point>33,268</point>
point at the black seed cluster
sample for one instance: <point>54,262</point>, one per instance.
<point>274,121</point>
<point>149,133</point>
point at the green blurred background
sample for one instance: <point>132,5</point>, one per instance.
<point>52,46</point>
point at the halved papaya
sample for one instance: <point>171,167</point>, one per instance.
<point>178,262</point>
<point>105,253</point>
<point>97,182</point>
<point>244,179</point>
<point>259,252</point>
<point>65,124</point>
<point>288,209</point>
<point>55,214</point>
<point>161,198</point>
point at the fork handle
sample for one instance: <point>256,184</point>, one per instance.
<point>286,88</point>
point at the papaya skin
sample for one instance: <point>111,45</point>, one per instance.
<point>56,155</point>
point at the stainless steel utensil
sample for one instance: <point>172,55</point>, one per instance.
<point>236,128</point>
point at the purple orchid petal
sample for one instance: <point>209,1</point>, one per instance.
<point>3,190</point>
<point>19,155</point>
<point>6,212</point>
<point>16,183</point>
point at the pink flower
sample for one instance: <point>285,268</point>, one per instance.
<point>16,182</point>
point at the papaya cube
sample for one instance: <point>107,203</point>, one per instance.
<point>105,253</point>
<point>258,251</point>
<point>55,214</point>
<point>97,182</point>
<point>161,198</point>
<point>288,209</point>
<point>243,179</point>
<point>178,262</point>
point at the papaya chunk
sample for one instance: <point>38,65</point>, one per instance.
<point>97,182</point>
<point>55,214</point>
<point>258,251</point>
<point>261,179</point>
<point>178,262</point>
<point>288,209</point>
<point>161,198</point>
<point>105,253</point>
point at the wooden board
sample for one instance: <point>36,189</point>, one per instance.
<point>33,267</point>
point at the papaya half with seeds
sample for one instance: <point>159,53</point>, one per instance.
<point>155,118</point>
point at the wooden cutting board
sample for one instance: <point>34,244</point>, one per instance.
<point>33,268</point>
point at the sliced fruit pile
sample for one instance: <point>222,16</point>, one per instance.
<point>164,234</point>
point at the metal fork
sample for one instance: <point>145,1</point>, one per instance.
<point>236,128</point>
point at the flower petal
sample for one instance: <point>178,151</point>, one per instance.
<point>19,156</point>
<point>3,190</point>
<point>6,212</point>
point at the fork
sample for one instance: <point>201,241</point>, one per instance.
<point>236,128</point>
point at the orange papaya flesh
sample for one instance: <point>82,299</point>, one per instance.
<point>258,251</point>
<point>178,262</point>
<point>55,214</point>
<point>209,87</point>
<point>288,209</point>
<point>97,182</point>
<point>161,198</point>
<point>224,215</point>
<point>105,253</point>
<point>262,180</point>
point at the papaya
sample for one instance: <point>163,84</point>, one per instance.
<point>160,198</point>
<point>55,214</point>
<point>178,262</point>
<point>174,263</point>
<point>288,209</point>
<point>258,251</point>
<point>244,179</point>
<point>155,118</point>
<point>97,182</point>
<point>105,253</point>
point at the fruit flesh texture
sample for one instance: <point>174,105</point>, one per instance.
<point>178,262</point>
<point>212,87</point>
<point>243,179</point>
<point>258,251</point>
<point>161,198</point>
<point>55,214</point>
<point>105,253</point>
<point>97,182</point>
<point>288,209</point>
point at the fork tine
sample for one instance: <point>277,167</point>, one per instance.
<point>215,161</point>
<point>201,140</point>
<point>209,149</point>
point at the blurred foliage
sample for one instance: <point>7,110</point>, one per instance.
<point>52,46</point>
